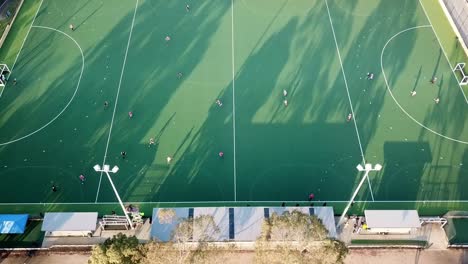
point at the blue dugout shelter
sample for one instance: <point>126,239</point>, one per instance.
<point>13,223</point>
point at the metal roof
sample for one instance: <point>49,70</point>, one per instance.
<point>13,223</point>
<point>163,231</point>
<point>237,223</point>
<point>220,218</point>
<point>248,223</point>
<point>69,222</point>
<point>392,218</point>
<point>324,213</point>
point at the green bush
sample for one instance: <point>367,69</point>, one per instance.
<point>376,242</point>
<point>119,249</point>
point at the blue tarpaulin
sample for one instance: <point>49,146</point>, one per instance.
<point>13,223</point>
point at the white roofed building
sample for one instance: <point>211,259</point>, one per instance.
<point>391,221</point>
<point>69,224</point>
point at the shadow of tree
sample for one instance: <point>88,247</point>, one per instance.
<point>379,121</point>
<point>281,153</point>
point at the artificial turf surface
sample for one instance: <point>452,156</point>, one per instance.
<point>244,53</point>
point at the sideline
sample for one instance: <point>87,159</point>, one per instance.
<point>117,99</point>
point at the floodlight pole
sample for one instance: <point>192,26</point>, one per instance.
<point>106,171</point>
<point>368,168</point>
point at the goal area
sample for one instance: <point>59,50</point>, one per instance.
<point>4,74</point>
<point>464,76</point>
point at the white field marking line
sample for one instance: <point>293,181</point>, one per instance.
<point>27,34</point>
<point>117,99</point>
<point>391,94</point>
<point>233,100</point>
<point>443,51</point>
<point>346,84</point>
<point>370,188</point>
<point>349,96</point>
<point>22,44</point>
<point>201,202</point>
<point>224,202</point>
<point>227,202</point>
<point>71,99</point>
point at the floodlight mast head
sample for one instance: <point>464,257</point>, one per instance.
<point>359,167</point>
<point>368,167</point>
<point>106,168</point>
<point>115,169</point>
<point>377,167</point>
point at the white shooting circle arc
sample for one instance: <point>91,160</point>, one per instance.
<point>394,99</point>
<point>71,99</point>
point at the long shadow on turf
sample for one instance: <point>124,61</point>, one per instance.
<point>77,140</point>
<point>72,144</point>
<point>33,91</point>
<point>405,162</point>
<point>31,238</point>
<point>150,89</point>
<point>22,22</point>
<point>29,105</point>
<point>326,105</point>
<point>361,51</point>
<point>447,117</point>
<point>361,54</point>
<point>254,84</point>
<point>150,83</point>
<point>438,179</point>
<point>462,179</point>
<point>285,153</point>
<point>80,151</point>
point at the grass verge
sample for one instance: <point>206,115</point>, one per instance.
<point>382,242</point>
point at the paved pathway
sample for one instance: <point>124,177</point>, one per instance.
<point>50,259</point>
<point>356,256</point>
<point>406,256</point>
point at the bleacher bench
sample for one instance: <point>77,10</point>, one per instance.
<point>114,222</point>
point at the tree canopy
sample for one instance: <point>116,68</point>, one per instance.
<point>292,237</point>
<point>295,237</point>
<point>119,249</point>
<point>188,243</point>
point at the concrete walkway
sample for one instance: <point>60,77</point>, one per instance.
<point>356,256</point>
<point>48,259</point>
<point>406,256</point>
